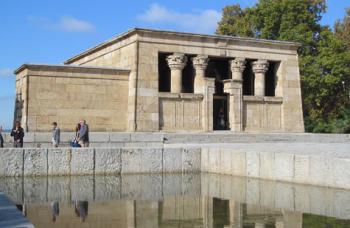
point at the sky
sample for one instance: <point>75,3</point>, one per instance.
<point>41,31</point>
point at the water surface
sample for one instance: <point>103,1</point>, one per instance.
<point>179,200</point>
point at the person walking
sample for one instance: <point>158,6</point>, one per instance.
<point>1,138</point>
<point>56,134</point>
<point>83,137</point>
<point>18,134</point>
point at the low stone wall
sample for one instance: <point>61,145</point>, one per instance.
<point>299,167</point>
<point>89,161</point>
<point>158,139</point>
<point>293,164</point>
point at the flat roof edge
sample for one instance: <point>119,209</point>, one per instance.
<point>135,30</point>
<point>33,65</point>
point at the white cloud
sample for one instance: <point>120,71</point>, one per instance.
<point>204,21</point>
<point>5,72</point>
<point>66,24</point>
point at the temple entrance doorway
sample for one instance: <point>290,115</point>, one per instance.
<point>220,112</point>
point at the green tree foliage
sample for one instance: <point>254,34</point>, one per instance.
<point>324,55</point>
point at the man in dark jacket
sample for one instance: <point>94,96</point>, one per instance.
<point>18,134</point>
<point>1,138</point>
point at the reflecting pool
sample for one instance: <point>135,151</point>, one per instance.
<point>176,200</point>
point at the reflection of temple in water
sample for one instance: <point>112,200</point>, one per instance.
<point>175,211</point>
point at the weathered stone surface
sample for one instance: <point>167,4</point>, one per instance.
<point>239,163</point>
<point>284,164</point>
<point>131,187</point>
<point>58,160</point>
<point>108,188</point>
<point>301,168</point>
<point>191,159</point>
<point>152,186</point>
<point>267,165</point>
<point>82,161</point>
<point>11,162</point>
<point>82,188</point>
<point>226,161</point>
<point>253,164</point>
<point>35,162</point>
<point>108,161</point>
<point>214,160</point>
<point>320,170</point>
<point>204,159</point>
<point>152,161</point>
<point>191,183</point>
<point>172,160</point>
<point>172,184</point>
<point>341,172</point>
<point>13,188</point>
<point>131,160</point>
<point>35,189</point>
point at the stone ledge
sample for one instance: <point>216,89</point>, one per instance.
<point>260,99</point>
<point>182,96</point>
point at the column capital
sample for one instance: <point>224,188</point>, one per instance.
<point>238,65</point>
<point>176,61</point>
<point>260,66</point>
<point>200,62</point>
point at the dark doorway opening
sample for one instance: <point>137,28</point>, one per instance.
<point>163,73</point>
<point>220,112</point>
<point>248,78</point>
<point>271,79</point>
<point>188,76</point>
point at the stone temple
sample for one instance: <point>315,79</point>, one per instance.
<point>152,80</point>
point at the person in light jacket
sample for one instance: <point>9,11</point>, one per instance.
<point>56,134</point>
<point>83,137</point>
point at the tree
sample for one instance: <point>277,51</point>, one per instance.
<point>324,60</point>
<point>342,28</point>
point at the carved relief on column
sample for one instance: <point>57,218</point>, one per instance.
<point>176,63</point>
<point>200,63</point>
<point>260,67</point>
<point>237,67</point>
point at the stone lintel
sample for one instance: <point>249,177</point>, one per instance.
<point>183,96</point>
<point>261,99</point>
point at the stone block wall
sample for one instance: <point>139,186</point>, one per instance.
<point>90,161</point>
<point>306,168</point>
<point>180,112</point>
<point>65,94</point>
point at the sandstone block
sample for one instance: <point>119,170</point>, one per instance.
<point>131,160</point>
<point>82,162</point>
<point>253,164</point>
<point>226,161</point>
<point>152,161</point>
<point>191,159</point>
<point>108,161</point>
<point>204,159</point>
<point>238,163</point>
<point>301,168</point>
<point>35,162</point>
<point>320,170</point>
<point>267,165</point>
<point>59,161</point>
<point>341,172</point>
<point>214,160</point>
<point>284,164</point>
<point>11,162</point>
<point>172,160</point>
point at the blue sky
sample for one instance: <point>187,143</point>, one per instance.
<point>50,32</point>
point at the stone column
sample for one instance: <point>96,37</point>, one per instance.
<point>200,63</point>
<point>207,105</point>
<point>259,68</point>
<point>234,88</point>
<point>176,63</point>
